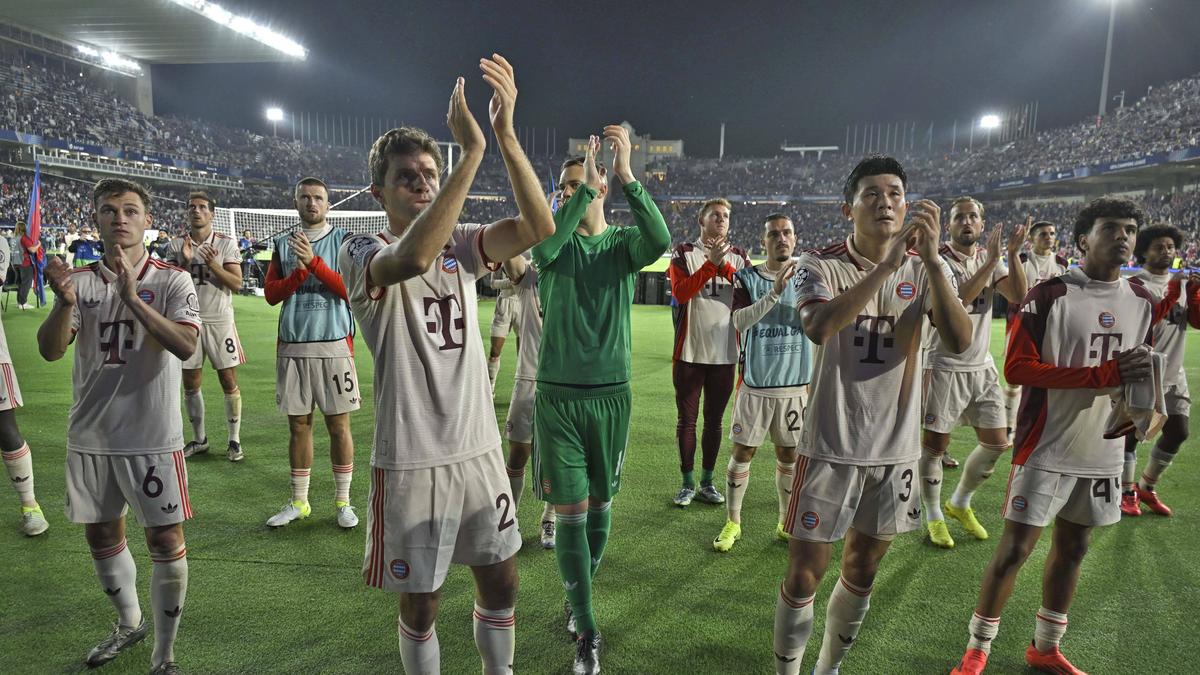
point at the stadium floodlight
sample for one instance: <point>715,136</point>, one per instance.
<point>989,121</point>
<point>275,115</point>
<point>84,49</point>
<point>219,15</point>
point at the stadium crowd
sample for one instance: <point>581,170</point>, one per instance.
<point>65,202</point>
<point>59,102</point>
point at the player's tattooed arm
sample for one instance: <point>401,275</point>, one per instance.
<point>54,335</point>
<point>176,338</point>
<point>1016,284</point>
<point>508,237</point>
<point>425,237</point>
<point>949,316</point>
<point>820,321</point>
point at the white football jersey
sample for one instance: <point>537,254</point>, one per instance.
<point>1169,333</point>
<point>1075,324</point>
<point>433,401</point>
<point>126,384</point>
<point>216,304</point>
<point>529,324</point>
<point>865,394</point>
<point>705,333</point>
<point>978,355</point>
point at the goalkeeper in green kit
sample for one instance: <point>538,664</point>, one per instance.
<point>586,276</point>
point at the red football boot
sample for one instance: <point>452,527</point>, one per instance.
<point>972,663</point>
<point>1152,502</point>
<point>1050,662</point>
<point>1129,504</point>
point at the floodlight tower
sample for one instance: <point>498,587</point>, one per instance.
<point>274,114</point>
<point>989,122</point>
<point>1112,18</point>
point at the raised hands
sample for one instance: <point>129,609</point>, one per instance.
<point>591,174</point>
<point>462,123</point>
<point>718,248</point>
<point>993,241</point>
<point>126,281</point>
<point>498,73</point>
<point>1016,240</point>
<point>925,216</point>
<point>617,138</point>
<point>300,246</point>
<point>784,275</point>
<point>58,274</point>
<point>897,249</point>
<point>209,253</point>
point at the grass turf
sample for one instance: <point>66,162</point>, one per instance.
<point>293,601</point>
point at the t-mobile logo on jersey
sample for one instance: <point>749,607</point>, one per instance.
<point>446,319</point>
<point>1105,340</point>
<point>200,273</point>
<point>872,339</point>
<point>112,342</point>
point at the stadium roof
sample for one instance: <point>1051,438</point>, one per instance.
<point>151,31</point>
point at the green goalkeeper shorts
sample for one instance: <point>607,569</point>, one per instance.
<point>579,441</point>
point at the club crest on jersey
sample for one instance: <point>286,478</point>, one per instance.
<point>737,428</point>
<point>449,264</point>
<point>546,486</point>
<point>929,418</point>
<point>810,520</point>
<point>905,290</point>
<point>1107,320</point>
<point>508,427</point>
<point>146,295</point>
<point>400,569</point>
<point>1019,503</point>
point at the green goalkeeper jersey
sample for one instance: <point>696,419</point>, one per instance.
<point>586,286</point>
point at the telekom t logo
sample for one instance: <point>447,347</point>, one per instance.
<point>445,320</point>
<point>1105,349</point>
<point>112,342</point>
<point>200,273</point>
<point>874,339</point>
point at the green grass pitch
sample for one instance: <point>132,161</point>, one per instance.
<point>293,600</point>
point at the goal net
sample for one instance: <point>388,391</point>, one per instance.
<point>265,225</point>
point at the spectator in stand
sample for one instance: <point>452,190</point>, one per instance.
<point>87,249</point>
<point>161,247</point>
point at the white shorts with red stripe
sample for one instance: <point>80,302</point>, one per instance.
<point>10,391</point>
<point>101,487</point>
<point>421,520</point>
<point>1036,497</point>
<point>757,417</point>
<point>220,343</point>
<point>518,427</point>
<point>828,499</point>
<point>951,398</point>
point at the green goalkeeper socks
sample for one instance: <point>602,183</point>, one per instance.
<point>574,566</point>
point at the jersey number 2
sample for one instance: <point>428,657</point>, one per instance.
<point>505,502</point>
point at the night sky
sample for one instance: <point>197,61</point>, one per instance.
<point>770,70</point>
